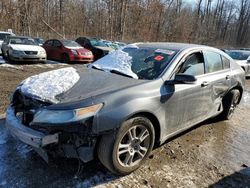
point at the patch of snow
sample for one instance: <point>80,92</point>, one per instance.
<point>3,183</point>
<point>117,60</point>
<point>23,150</point>
<point>46,86</point>
<point>6,65</point>
<point>3,138</point>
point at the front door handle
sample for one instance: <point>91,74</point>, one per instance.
<point>204,84</point>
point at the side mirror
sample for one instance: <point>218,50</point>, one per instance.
<point>184,79</point>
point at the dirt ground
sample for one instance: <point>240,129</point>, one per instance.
<point>213,154</point>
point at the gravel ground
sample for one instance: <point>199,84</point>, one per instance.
<point>213,154</point>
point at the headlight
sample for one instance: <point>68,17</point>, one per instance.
<point>74,52</point>
<point>66,116</point>
<point>87,53</point>
<point>42,52</point>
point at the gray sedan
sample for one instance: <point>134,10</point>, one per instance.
<point>125,103</point>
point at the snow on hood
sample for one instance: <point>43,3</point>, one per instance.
<point>241,62</point>
<point>74,48</point>
<point>26,47</point>
<point>46,86</point>
<point>117,60</point>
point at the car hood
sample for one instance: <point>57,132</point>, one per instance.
<point>73,84</point>
<point>241,62</point>
<point>95,82</point>
<point>73,48</point>
<point>26,47</point>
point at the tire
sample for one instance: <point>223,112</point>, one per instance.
<point>65,58</point>
<point>8,58</point>
<point>3,55</point>
<point>133,152</point>
<point>230,102</point>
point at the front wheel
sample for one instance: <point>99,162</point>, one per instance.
<point>65,58</point>
<point>125,151</point>
<point>230,102</point>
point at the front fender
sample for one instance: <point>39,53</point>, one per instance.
<point>111,118</point>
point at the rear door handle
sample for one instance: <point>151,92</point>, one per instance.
<point>204,84</point>
<point>228,77</point>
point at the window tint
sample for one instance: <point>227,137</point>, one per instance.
<point>226,62</point>
<point>56,43</point>
<point>49,43</point>
<point>213,62</point>
<point>193,65</point>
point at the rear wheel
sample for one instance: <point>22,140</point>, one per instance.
<point>230,102</point>
<point>65,58</point>
<point>127,150</point>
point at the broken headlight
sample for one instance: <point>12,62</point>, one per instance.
<point>66,116</point>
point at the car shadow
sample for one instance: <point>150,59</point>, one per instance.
<point>240,179</point>
<point>22,166</point>
<point>23,62</point>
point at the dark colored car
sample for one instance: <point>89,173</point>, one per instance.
<point>39,41</point>
<point>67,51</point>
<point>124,104</point>
<point>98,48</point>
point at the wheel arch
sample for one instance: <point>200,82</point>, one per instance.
<point>238,87</point>
<point>154,120</point>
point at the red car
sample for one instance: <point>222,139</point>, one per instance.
<point>67,51</point>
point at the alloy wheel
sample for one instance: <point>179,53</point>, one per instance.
<point>133,146</point>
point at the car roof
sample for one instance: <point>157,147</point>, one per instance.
<point>168,45</point>
<point>5,32</point>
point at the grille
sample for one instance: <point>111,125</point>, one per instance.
<point>31,52</point>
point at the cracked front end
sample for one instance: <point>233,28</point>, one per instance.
<point>65,133</point>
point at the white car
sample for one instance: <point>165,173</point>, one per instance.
<point>241,57</point>
<point>3,36</point>
<point>16,48</point>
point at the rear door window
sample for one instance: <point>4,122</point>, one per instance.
<point>213,62</point>
<point>49,43</point>
<point>226,62</point>
<point>57,43</point>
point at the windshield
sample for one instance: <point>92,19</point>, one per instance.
<point>239,55</point>
<point>3,35</point>
<point>139,63</point>
<point>23,41</point>
<point>95,42</point>
<point>39,41</point>
<point>70,43</point>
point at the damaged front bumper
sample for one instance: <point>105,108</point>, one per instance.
<point>42,143</point>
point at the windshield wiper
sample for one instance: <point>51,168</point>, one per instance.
<point>94,67</point>
<point>120,73</point>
